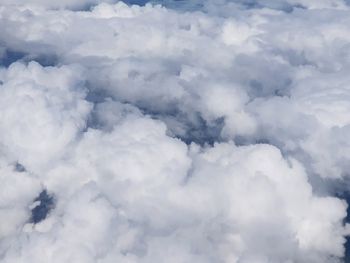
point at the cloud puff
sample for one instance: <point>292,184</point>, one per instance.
<point>42,112</point>
<point>18,191</point>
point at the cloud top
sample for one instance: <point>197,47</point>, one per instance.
<point>210,131</point>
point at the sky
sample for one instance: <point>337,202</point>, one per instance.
<point>212,131</point>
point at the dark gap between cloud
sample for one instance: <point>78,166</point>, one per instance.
<point>41,211</point>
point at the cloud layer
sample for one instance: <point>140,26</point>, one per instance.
<point>210,131</point>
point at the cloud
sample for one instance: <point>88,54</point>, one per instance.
<point>210,131</point>
<point>42,112</point>
<point>18,189</point>
<point>63,4</point>
<point>137,195</point>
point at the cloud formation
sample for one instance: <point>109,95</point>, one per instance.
<point>210,131</point>
<point>56,4</point>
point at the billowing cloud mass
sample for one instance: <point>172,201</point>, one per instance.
<point>174,131</point>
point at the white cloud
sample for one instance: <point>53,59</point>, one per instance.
<point>55,4</point>
<point>97,127</point>
<point>42,112</point>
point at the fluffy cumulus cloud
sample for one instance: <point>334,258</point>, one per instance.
<point>185,131</point>
<point>52,99</point>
